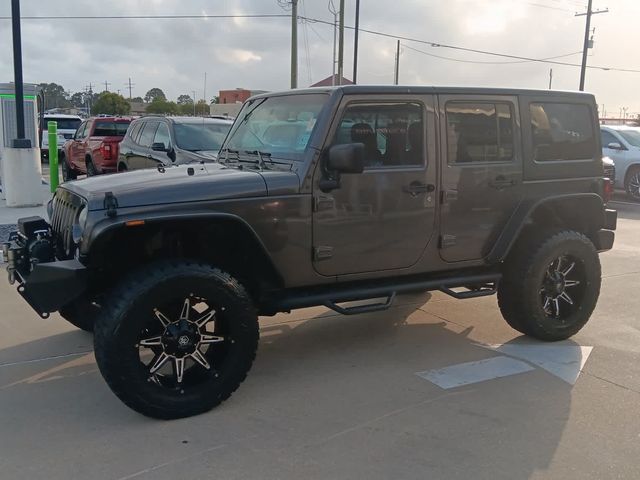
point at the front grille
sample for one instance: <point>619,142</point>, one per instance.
<point>610,172</point>
<point>66,208</point>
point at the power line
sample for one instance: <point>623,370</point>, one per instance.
<point>141,17</point>
<point>474,50</point>
<point>488,63</point>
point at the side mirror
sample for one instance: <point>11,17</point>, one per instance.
<point>158,147</point>
<point>615,146</point>
<point>347,158</point>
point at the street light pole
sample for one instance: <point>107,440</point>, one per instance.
<point>20,141</point>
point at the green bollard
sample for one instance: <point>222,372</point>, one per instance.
<point>52,128</point>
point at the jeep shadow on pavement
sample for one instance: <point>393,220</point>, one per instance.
<point>323,197</point>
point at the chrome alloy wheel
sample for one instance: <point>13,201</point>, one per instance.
<point>183,344</point>
<point>562,287</point>
<point>633,186</point>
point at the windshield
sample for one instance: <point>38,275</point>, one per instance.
<point>280,126</point>
<point>110,129</point>
<point>200,136</point>
<point>631,136</point>
<point>63,123</point>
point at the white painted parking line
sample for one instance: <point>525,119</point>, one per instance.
<point>474,372</point>
<point>625,203</point>
<point>563,361</point>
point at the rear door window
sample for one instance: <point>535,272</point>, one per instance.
<point>562,131</point>
<point>148,132</point>
<point>479,132</point>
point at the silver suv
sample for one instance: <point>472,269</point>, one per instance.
<point>622,144</point>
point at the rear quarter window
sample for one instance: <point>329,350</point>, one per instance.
<point>562,131</point>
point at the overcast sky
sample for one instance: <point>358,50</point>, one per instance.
<point>173,54</point>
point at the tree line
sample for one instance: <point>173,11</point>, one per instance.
<point>112,103</point>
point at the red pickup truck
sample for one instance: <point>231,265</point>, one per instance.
<point>94,147</point>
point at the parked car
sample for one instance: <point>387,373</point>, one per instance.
<point>94,147</point>
<point>609,168</point>
<point>154,140</point>
<point>320,197</point>
<point>66,127</point>
<point>622,144</point>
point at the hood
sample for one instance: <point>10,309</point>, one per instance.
<point>211,181</point>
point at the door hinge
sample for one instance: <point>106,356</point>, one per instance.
<point>448,195</point>
<point>323,252</point>
<point>447,241</point>
<point>323,202</point>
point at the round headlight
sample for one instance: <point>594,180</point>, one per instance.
<point>82,218</point>
<point>50,209</point>
<point>78,228</point>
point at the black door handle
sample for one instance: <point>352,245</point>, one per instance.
<point>501,182</point>
<point>415,188</point>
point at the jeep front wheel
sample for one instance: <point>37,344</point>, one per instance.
<point>176,339</point>
<point>550,285</point>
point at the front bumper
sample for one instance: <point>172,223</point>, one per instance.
<point>47,286</point>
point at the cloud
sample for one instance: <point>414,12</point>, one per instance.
<point>173,54</point>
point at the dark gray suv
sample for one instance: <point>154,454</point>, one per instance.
<point>161,141</point>
<point>323,197</point>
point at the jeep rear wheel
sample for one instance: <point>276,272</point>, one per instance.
<point>176,339</point>
<point>551,285</point>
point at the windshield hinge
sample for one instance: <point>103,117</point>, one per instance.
<point>110,204</point>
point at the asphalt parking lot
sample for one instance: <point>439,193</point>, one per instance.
<point>407,393</point>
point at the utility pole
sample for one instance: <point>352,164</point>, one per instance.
<point>355,44</point>
<point>334,12</point>
<point>106,86</point>
<point>130,86</point>
<point>550,77</point>
<point>89,89</point>
<point>341,45</point>
<point>204,91</point>
<point>585,48</point>
<point>194,102</point>
<point>396,76</point>
<point>294,44</point>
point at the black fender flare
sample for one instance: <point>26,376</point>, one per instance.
<point>524,212</point>
<point>102,232</point>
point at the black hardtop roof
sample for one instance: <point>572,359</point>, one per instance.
<point>429,89</point>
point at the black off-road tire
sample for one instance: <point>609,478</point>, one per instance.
<point>68,173</point>
<point>80,313</point>
<point>117,333</point>
<point>519,293</point>
<point>632,182</point>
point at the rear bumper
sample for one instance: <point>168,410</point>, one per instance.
<point>604,238</point>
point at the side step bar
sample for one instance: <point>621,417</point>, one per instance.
<point>479,285</point>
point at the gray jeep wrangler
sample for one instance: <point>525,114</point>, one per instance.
<point>324,197</point>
